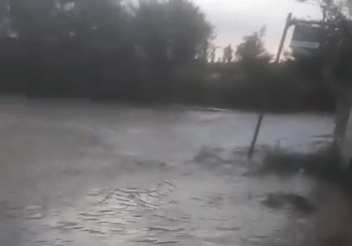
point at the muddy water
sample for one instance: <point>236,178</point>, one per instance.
<point>74,173</point>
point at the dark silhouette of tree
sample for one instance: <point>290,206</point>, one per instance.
<point>33,19</point>
<point>4,20</point>
<point>253,60</point>
<point>190,32</point>
<point>228,52</point>
<point>209,50</point>
<point>253,47</point>
<point>335,16</point>
<point>106,47</point>
<point>176,26</point>
<point>213,53</point>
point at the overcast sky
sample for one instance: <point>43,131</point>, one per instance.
<point>235,18</point>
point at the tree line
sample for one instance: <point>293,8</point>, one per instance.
<point>147,51</point>
<point>98,48</point>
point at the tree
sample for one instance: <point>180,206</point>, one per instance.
<point>213,49</point>
<point>176,25</point>
<point>33,19</point>
<point>208,48</point>
<point>336,19</point>
<point>227,56</point>
<point>115,39</point>
<point>4,23</point>
<point>253,59</point>
<point>189,29</point>
<point>253,47</point>
<point>333,8</point>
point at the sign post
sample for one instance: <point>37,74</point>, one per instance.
<point>261,116</point>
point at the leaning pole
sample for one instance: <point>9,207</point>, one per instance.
<point>261,115</point>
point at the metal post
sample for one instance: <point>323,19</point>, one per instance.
<point>261,116</point>
<point>251,149</point>
<point>288,24</point>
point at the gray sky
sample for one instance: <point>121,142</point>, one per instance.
<point>234,19</point>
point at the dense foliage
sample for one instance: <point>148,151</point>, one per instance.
<point>152,50</point>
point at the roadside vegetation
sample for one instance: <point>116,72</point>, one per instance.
<point>147,52</point>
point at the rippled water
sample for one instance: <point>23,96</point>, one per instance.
<point>74,173</point>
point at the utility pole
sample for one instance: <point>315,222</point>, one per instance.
<point>261,116</point>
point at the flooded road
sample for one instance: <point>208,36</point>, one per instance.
<point>74,173</point>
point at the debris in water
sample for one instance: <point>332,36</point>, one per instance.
<point>298,202</point>
<point>273,201</point>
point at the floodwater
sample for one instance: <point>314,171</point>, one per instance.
<point>74,173</point>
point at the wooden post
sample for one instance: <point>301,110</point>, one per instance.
<point>261,116</point>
